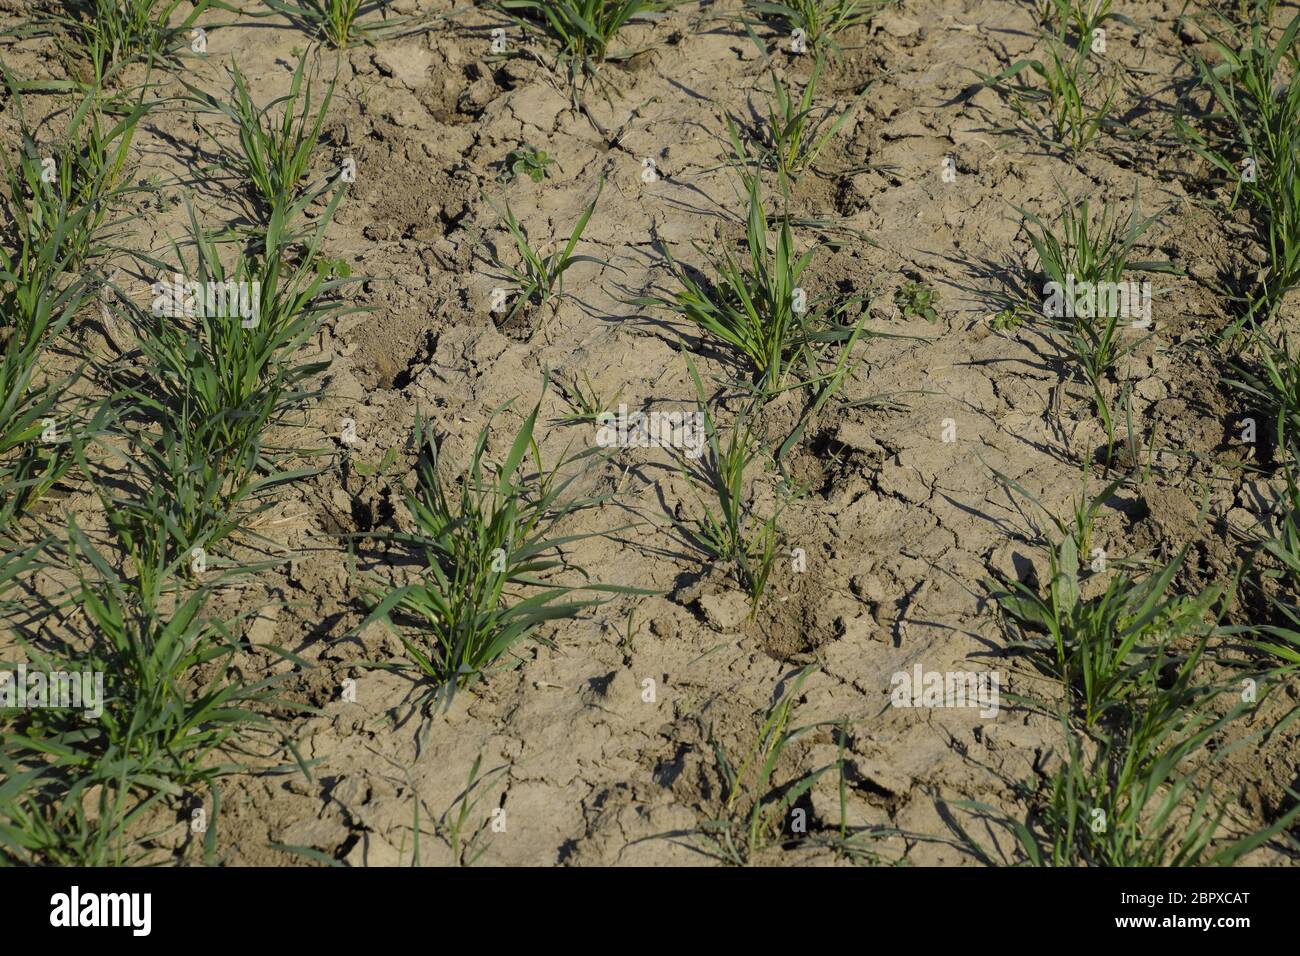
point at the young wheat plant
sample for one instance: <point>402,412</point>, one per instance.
<point>1074,93</point>
<point>275,151</point>
<point>1252,139</point>
<point>758,308</point>
<point>489,550</point>
<point>539,279</point>
<point>583,30</point>
<point>1083,250</point>
<point>344,23</point>
<point>818,21</point>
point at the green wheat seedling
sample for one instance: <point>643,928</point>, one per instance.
<point>1097,251</point>
<point>1141,461</point>
<point>585,401</point>
<point>55,816</point>
<point>220,369</point>
<point>1284,234</point>
<point>18,561</point>
<point>731,533</point>
<point>343,23</point>
<point>1272,568</point>
<point>1251,139</point>
<point>462,826</point>
<point>1272,380</point>
<point>1142,794</point>
<point>1075,97</point>
<point>44,241</point>
<point>626,640</point>
<point>1079,17</point>
<point>34,424</point>
<point>1256,104</point>
<point>1078,523</point>
<point>817,20</point>
<point>1284,544</point>
<point>583,30</point>
<point>190,458</point>
<point>176,718</point>
<point>78,180</point>
<point>489,550</point>
<point>35,309</point>
<point>796,132</point>
<point>755,807</point>
<point>1100,647</point>
<point>1133,787</point>
<point>1093,249</point>
<point>57,211</point>
<point>1048,13</point>
<point>757,308</point>
<point>113,33</point>
<point>178,510</point>
<point>539,279</point>
<point>824,390</point>
<point>276,141</point>
<point>1097,646</point>
<point>1272,572</point>
<point>468,845</point>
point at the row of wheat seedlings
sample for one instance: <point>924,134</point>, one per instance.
<point>1245,127</point>
<point>177,447</point>
<point>1149,680</point>
<point>1145,689</point>
<point>751,304</point>
<point>59,209</point>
